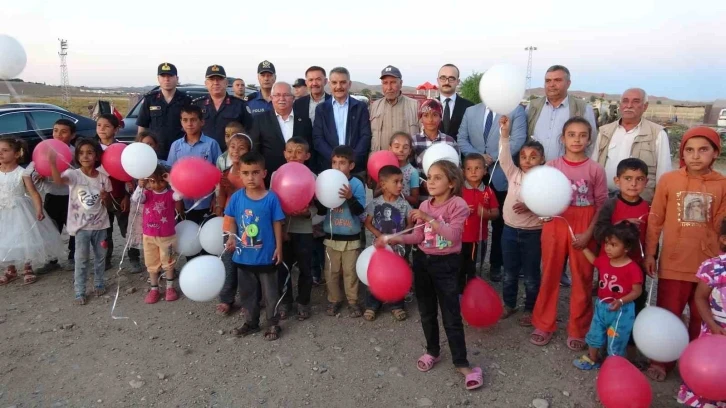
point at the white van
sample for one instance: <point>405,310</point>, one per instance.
<point>722,118</point>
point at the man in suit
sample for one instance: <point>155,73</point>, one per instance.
<point>272,129</point>
<point>479,133</point>
<point>454,105</point>
<point>304,108</point>
<point>341,121</point>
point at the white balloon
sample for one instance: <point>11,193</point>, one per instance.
<point>202,278</point>
<point>659,334</point>
<point>361,265</point>
<point>211,236</point>
<point>546,191</point>
<point>327,186</point>
<point>439,151</point>
<point>12,57</point>
<point>187,238</point>
<point>502,88</point>
<point>139,160</point>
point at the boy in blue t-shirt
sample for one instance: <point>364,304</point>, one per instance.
<point>343,242</point>
<point>253,221</point>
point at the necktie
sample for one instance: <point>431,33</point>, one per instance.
<point>447,116</point>
<point>488,125</point>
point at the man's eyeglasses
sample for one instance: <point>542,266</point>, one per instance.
<point>447,79</point>
<point>278,96</point>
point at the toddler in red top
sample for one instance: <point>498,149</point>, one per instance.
<point>483,206</point>
<point>621,282</point>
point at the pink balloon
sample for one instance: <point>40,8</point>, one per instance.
<point>703,367</point>
<point>380,159</point>
<point>621,385</point>
<point>194,177</point>
<point>389,276</point>
<point>111,161</point>
<point>480,304</point>
<point>40,156</point>
<point>294,185</point>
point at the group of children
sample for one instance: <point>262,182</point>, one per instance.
<point>619,235</point>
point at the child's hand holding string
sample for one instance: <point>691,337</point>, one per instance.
<point>504,126</point>
<point>230,244</point>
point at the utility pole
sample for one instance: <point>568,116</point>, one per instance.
<point>530,50</point>
<point>65,90</point>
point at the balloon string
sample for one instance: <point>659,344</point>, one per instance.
<point>572,234</point>
<point>650,291</point>
<point>29,229</point>
<point>284,292</point>
<point>118,271</point>
<point>196,203</point>
<point>404,231</point>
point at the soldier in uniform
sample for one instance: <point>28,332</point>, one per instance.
<point>261,101</point>
<point>219,108</point>
<point>161,109</point>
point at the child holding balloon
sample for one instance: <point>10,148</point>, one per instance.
<point>710,300</point>
<point>436,261</point>
<point>567,235</point>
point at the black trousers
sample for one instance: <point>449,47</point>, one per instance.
<point>198,216</point>
<point>57,208</point>
<point>123,223</point>
<point>298,250</point>
<point>496,259</point>
<point>468,263</point>
<point>257,281</point>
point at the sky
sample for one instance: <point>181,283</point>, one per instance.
<point>670,48</point>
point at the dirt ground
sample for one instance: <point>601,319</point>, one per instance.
<point>56,354</point>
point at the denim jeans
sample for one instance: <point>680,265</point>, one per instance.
<point>297,250</point>
<point>436,283</point>
<point>87,241</point>
<point>522,254</point>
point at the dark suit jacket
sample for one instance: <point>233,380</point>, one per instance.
<point>456,116</point>
<point>357,133</point>
<point>301,109</point>
<point>267,138</point>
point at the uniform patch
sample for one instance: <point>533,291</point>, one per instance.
<point>153,108</point>
<point>249,110</point>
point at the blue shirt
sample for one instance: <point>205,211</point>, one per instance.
<point>206,148</point>
<point>548,129</point>
<point>341,218</point>
<point>254,219</point>
<point>259,104</point>
<point>340,113</point>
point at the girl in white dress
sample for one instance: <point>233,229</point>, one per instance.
<point>28,236</point>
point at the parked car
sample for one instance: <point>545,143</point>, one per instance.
<point>34,124</point>
<point>129,131</point>
<point>31,105</point>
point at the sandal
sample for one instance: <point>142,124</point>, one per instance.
<point>99,292</point>
<point>303,312</point>
<point>508,311</point>
<point>585,363</point>
<point>474,380</point>
<point>273,333</point>
<point>540,338</point>
<point>223,309</point>
<point>283,312</point>
<point>369,315</point>
<point>576,344</point>
<point>525,320</point>
<point>333,309</point>
<point>80,301</point>
<point>426,362</point>
<point>355,311</point>
<point>28,275</point>
<point>245,330</point>
<point>399,314</point>
<point>656,372</point>
<point>10,275</point>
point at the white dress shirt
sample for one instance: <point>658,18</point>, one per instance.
<point>286,126</point>
<point>452,102</point>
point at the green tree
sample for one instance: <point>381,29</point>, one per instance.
<point>658,102</point>
<point>470,87</point>
<point>378,95</point>
<point>367,93</point>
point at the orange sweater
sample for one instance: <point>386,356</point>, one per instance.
<point>688,210</point>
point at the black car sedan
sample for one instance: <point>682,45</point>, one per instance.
<point>35,124</point>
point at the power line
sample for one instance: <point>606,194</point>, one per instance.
<point>530,49</point>
<point>65,83</point>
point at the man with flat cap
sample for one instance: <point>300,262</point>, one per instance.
<point>220,108</point>
<point>394,112</point>
<point>161,109</point>
<point>299,88</point>
<point>261,101</point>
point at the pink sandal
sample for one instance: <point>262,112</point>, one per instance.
<point>540,338</point>
<point>474,380</point>
<point>427,361</point>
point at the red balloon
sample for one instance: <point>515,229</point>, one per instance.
<point>111,162</point>
<point>379,159</point>
<point>194,177</point>
<point>389,276</point>
<point>703,367</point>
<point>294,185</point>
<point>40,156</point>
<point>480,304</point>
<point>621,385</point>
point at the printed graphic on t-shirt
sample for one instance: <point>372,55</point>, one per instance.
<point>694,207</point>
<point>388,218</point>
<point>581,189</point>
<point>88,196</point>
<point>250,230</point>
<point>434,240</point>
<point>610,282</point>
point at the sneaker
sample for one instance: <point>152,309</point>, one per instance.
<point>135,266</point>
<point>49,267</point>
<point>152,297</point>
<point>171,295</point>
<point>495,275</point>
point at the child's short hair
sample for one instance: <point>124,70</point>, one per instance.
<point>235,126</point>
<point>299,141</point>
<point>345,152</point>
<point>68,123</point>
<point>581,121</point>
<point>251,158</point>
<point>387,171</point>
<point>194,110</point>
<point>453,173</point>
<point>112,119</point>
<point>242,138</point>
<point>626,233</point>
<point>18,146</point>
<point>475,156</point>
<point>96,148</point>
<point>631,163</point>
<point>159,172</point>
<point>146,133</point>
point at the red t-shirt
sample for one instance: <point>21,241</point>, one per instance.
<point>626,210</point>
<point>475,197</point>
<point>616,281</point>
